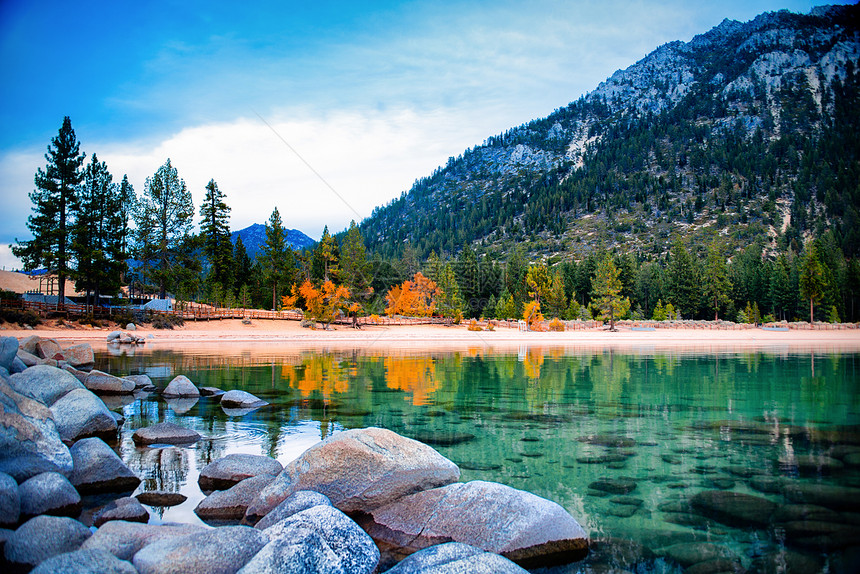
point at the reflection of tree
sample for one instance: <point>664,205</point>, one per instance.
<point>532,362</point>
<point>161,468</point>
<point>319,374</point>
<point>414,374</point>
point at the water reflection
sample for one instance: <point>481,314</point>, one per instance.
<point>624,441</point>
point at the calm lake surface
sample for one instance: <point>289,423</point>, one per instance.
<point>621,440</point>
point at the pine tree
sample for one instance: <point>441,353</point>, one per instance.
<point>354,268</point>
<point>326,256</point>
<point>812,282</point>
<point>539,282</point>
<point>607,291</point>
<point>215,233</point>
<point>683,280</point>
<point>242,266</point>
<point>716,284</point>
<point>54,200</point>
<point>164,218</point>
<point>449,303</point>
<point>555,301</point>
<point>277,257</point>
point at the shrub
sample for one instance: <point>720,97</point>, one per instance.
<point>89,320</point>
<point>491,325</point>
<point>556,325</point>
<point>20,317</point>
<point>833,316</point>
<point>473,325</point>
<point>163,321</point>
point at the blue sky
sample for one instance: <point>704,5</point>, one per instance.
<point>371,95</point>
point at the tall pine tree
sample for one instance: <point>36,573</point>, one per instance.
<point>54,200</point>
<point>215,233</point>
<point>277,258</point>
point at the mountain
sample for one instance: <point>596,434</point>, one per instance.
<point>254,237</point>
<point>749,132</point>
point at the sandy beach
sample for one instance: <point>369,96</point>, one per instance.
<point>291,334</point>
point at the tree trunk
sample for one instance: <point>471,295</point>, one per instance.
<point>811,313</point>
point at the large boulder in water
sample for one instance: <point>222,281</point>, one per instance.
<point>734,508</point>
<point>79,356</point>
<point>105,384</point>
<point>42,537</point>
<point>29,439</point>
<point>125,508</point>
<point>81,414</point>
<point>234,468</point>
<point>231,504</point>
<point>319,539</point>
<point>236,399</point>
<point>44,383</point>
<point>521,526</point>
<point>218,551</point>
<point>455,557</point>
<point>164,433</point>
<point>49,493</point>
<point>181,386</point>
<point>359,470</point>
<point>99,469</point>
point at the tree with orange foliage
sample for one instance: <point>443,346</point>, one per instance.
<point>321,305</point>
<point>533,316</point>
<point>415,298</point>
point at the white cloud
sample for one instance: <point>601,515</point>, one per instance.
<point>8,261</point>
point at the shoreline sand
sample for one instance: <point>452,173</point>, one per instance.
<point>291,334</point>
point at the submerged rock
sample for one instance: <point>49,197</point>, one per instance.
<point>690,553</point>
<point>359,470</point>
<point>609,440</point>
<point>614,485</point>
<point>234,468</point>
<point>843,498</point>
<point>519,525</point>
<point>734,508</point>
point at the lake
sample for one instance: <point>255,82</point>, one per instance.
<point>623,440</point>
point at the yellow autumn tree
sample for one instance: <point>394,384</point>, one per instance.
<point>533,316</point>
<point>321,305</point>
<point>415,298</point>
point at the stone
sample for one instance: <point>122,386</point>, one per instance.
<point>793,512</point>
<point>85,562</point>
<point>164,433</point>
<point>609,440</point>
<point>161,498</point>
<point>443,438</point>
<point>210,392</point>
<point>814,465</point>
<point>842,498</point>
<point>715,566</point>
<point>234,468</point>
<point>103,383</point>
<point>131,327</point>
<point>181,387</point>
<point>140,381</point>
<point>521,526</point>
<point>126,508</point>
<point>79,375</point>
<point>614,485</point>
<point>852,460</point>
<point>785,562</point>
<point>18,366</point>
<point>688,553</point>
<point>81,414</point>
<point>734,508</point>
<point>44,384</point>
<point>29,359</point>
<point>601,458</point>
<point>236,399</point>
<point>8,351</point>
<point>124,539</point>
<point>49,493</point>
<point>359,470</point>
<point>29,439</point>
<point>453,557</point>
<point>99,469</point>
<point>767,484</point>
<point>296,502</point>
<point>10,500</point>
<point>114,336</point>
<point>28,344</point>
<point>42,537</point>
<point>79,356</point>
<point>218,551</point>
<point>181,406</point>
<point>48,349</point>
<point>319,539</point>
<point>231,504</point>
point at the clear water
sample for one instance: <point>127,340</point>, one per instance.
<point>662,425</point>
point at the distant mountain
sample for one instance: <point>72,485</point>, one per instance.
<point>749,132</point>
<point>254,237</point>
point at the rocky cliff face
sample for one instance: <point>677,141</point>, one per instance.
<point>780,76</point>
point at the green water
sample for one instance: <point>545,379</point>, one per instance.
<point>660,427</point>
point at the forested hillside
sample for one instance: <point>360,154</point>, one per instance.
<point>748,133</point>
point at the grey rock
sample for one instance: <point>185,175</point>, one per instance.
<point>29,439</point>
<point>29,359</point>
<point>28,344</point>
<point>10,500</point>
<point>44,384</point>
<point>126,508</point>
<point>210,392</point>
<point>842,498</point>
<point>521,526</point>
<point>734,508</point>
<point>131,327</point>
<point>236,399</point>
<point>234,468</point>
<point>114,336</point>
<point>296,502</point>
<point>231,504</point>
<point>8,351</point>
<point>85,562</point>
<point>49,493</point>
<point>81,414</point>
<point>78,374</point>
<point>455,558</point>
<point>614,485</point>
<point>79,356</point>
<point>161,498</point>
<point>181,387</point>
<point>785,562</point>
<point>359,470</point>
<point>103,383</point>
<point>99,469</point>
<point>18,366</point>
<point>140,381</point>
<point>219,551</point>
<point>4,374</point>
<point>44,536</point>
<point>688,553</point>
<point>124,539</point>
<point>319,539</point>
<point>608,440</point>
<point>48,348</point>
<point>164,433</point>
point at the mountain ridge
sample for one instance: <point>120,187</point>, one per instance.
<point>254,237</point>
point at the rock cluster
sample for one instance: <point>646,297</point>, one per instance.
<point>124,338</point>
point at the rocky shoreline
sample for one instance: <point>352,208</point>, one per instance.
<point>364,500</point>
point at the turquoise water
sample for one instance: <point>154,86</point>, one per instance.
<point>622,441</point>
